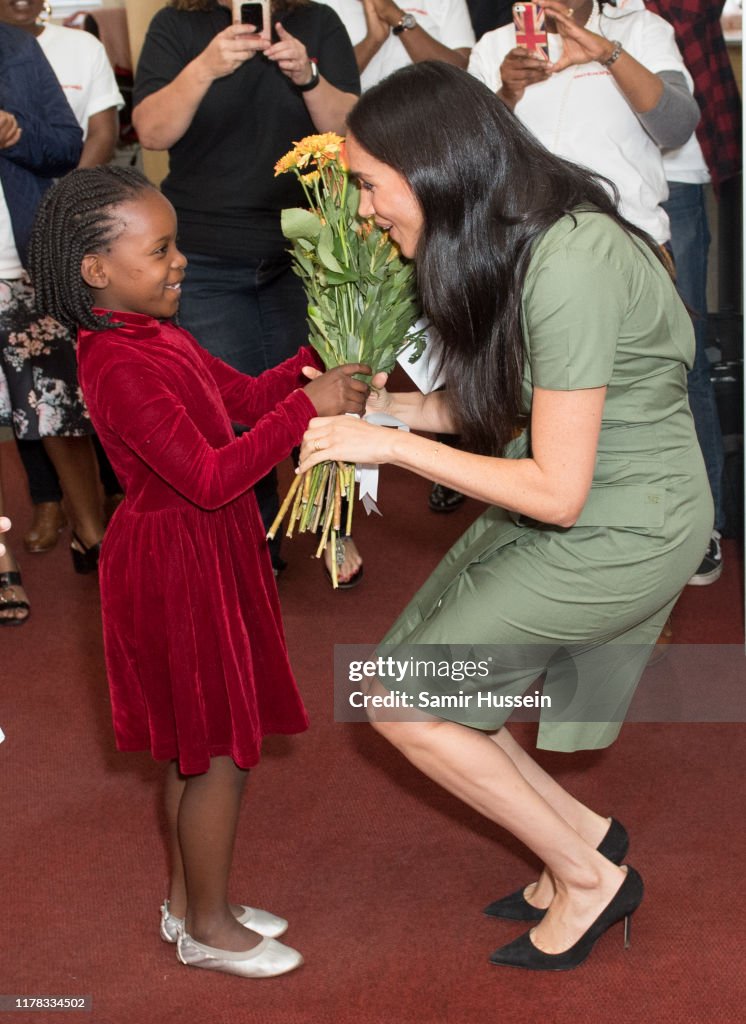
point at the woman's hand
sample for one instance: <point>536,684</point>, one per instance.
<point>229,49</point>
<point>291,57</point>
<point>345,439</point>
<point>519,70</point>
<point>579,46</point>
<point>10,133</point>
<point>377,29</point>
<point>337,391</point>
<point>379,400</point>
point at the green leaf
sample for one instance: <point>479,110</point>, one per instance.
<point>325,252</point>
<point>297,223</point>
<point>346,277</point>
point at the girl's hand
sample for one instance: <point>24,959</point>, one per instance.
<point>345,439</point>
<point>519,70</point>
<point>579,46</point>
<point>229,49</point>
<point>290,56</point>
<point>337,391</point>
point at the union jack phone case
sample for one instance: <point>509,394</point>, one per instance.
<point>530,31</point>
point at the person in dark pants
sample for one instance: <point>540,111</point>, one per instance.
<point>712,155</point>
<point>227,105</point>
<point>39,139</point>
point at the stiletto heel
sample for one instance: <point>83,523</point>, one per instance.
<point>516,907</point>
<point>627,931</point>
<point>523,953</point>
<point>85,559</point>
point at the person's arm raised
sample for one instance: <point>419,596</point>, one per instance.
<point>163,117</point>
<point>376,34</point>
<point>418,43</point>
<point>327,105</point>
<point>642,88</point>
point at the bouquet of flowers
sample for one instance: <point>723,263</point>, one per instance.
<point>361,304</point>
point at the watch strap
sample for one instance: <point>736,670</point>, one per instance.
<point>313,80</point>
<point>407,21</point>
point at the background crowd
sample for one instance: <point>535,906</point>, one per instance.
<point>240,297</point>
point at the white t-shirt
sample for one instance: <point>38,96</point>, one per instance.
<point>83,70</point>
<point>10,264</point>
<point>582,115</point>
<point>447,21</point>
<point>686,164</point>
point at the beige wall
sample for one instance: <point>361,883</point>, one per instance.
<point>139,15</point>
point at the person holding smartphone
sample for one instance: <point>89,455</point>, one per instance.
<point>613,94</point>
<point>227,101</point>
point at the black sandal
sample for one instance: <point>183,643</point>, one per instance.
<point>8,580</point>
<point>85,559</point>
<point>445,499</point>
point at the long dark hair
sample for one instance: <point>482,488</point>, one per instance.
<point>76,217</point>
<point>487,190</point>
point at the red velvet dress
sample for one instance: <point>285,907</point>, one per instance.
<point>194,643</point>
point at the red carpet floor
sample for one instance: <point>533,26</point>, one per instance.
<point>381,875</point>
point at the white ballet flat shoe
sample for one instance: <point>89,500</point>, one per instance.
<point>259,921</point>
<point>266,960</point>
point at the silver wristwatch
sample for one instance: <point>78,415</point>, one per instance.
<point>407,21</point>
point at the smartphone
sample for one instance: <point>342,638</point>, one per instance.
<point>530,30</point>
<point>256,13</point>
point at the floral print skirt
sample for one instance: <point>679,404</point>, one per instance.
<point>39,391</point>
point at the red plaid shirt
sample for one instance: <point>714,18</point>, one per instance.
<point>700,38</point>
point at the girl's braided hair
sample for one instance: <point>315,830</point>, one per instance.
<point>77,216</point>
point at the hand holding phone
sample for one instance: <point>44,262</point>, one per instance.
<point>530,29</point>
<point>256,13</point>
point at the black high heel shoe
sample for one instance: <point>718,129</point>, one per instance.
<point>523,953</point>
<point>85,559</point>
<point>516,907</point>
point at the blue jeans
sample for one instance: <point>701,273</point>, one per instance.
<point>252,316</point>
<point>690,241</point>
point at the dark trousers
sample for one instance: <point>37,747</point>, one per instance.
<point>252,316</point>
<point>42,478</point>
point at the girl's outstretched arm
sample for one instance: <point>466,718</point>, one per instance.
<point>150,417</point>
<point>246,398</point>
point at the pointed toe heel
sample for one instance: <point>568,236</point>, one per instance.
<point>516,907</point>
<point>523,953</point>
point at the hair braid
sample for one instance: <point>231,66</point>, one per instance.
<point>76,217</point>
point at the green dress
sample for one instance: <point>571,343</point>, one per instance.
<point>583,603</point>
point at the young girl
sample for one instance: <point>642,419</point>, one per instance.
<point>195,653</point>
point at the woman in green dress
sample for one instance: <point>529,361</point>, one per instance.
<point>565,348</point>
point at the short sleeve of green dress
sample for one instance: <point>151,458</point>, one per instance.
<point>598,310</point>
